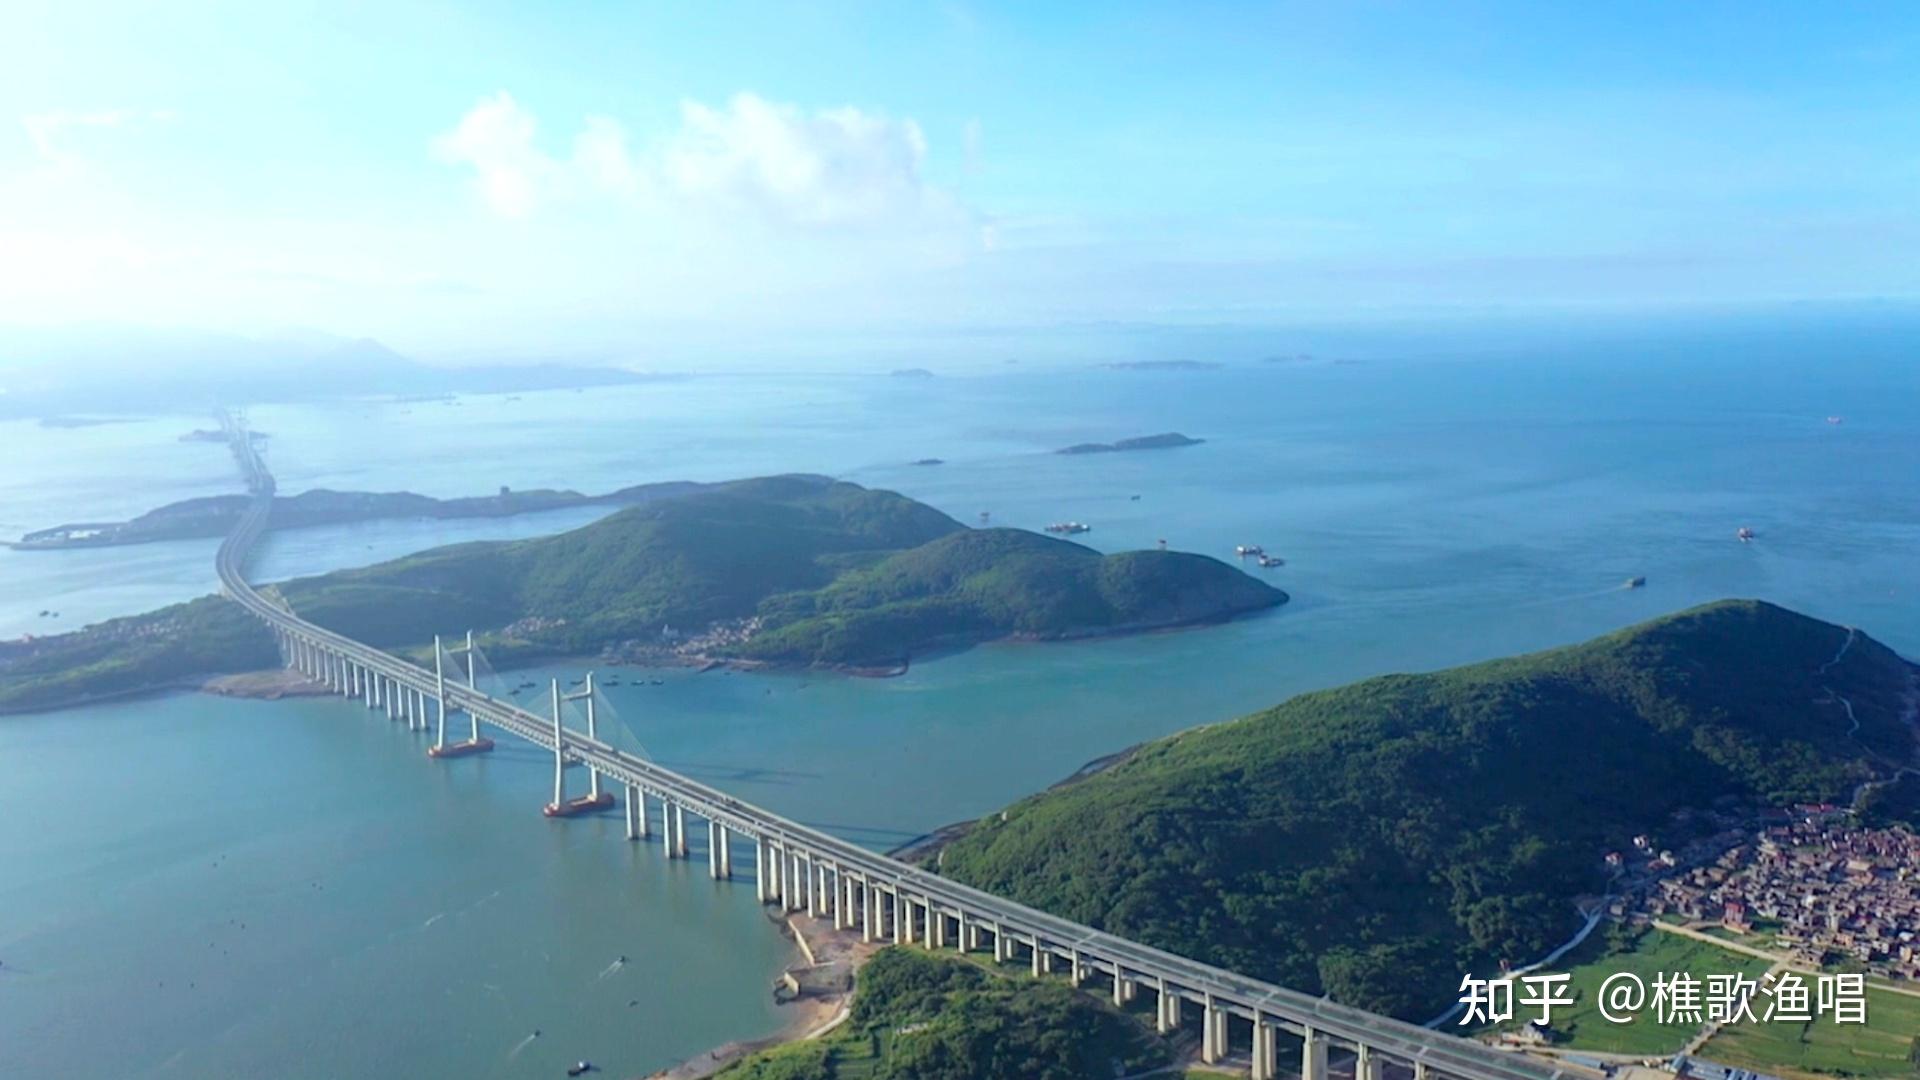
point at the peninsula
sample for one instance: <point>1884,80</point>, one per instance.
<point>790,570</point>
<point>1374,841</point>
<point>215,515</point>
<point>1164,441</point>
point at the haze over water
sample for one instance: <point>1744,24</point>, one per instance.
<point>408,916</point>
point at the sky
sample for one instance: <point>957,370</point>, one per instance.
<point>628,178</point>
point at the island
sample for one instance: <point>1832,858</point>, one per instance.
<point>1163,365</point>
<point>912,373</point>
<point>930,461</point>
<point>215,515</point>
<point>784,570</point>
<point>1375,841</point>
<point>1164,441</point>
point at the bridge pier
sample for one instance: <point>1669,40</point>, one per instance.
<point>1368,1065</point>
<point>1166,1014</point>
<point>719,851</point>
<point>1266,1050</point>
<point>1313,1055</point>
<point>1209,1029</point>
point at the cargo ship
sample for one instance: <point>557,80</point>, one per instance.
<point>585,804</point>
<point>460,749</point>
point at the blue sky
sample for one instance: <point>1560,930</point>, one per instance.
<point>496,177</point>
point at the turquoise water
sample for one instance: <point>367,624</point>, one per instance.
<point>403,915</point>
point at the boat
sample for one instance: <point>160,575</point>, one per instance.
<point>1271,561</point>
<point>580,1068</point>
<point>1069,528</point>
<point>1636,582</point>
<point>1745,534</point>
<point>1836,419</point>
<point>1244,550</point>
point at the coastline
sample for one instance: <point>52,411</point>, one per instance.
<point>838,953</point>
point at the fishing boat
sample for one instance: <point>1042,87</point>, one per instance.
<point>1244,550</point>
<point>1636,582</point>
<point>1271,561</point>
<point>1069,528</point>
<point>1745,534</point>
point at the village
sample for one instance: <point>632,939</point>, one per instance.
<point>1808,885</point>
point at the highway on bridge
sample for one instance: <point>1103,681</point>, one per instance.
<point>1377,1040</point>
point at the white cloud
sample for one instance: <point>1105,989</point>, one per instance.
<point>46,129</point>
<point>825,168</point>
<point>496,139</point>
<point>830,167</point>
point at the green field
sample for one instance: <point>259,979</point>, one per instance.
<point>1880,1048</point>
<point>1646,953</point>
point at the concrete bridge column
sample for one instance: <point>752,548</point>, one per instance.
<point>1313,1056</point>
<point>1120,994</point>
<point>870,912</point>
<point>713,849</point>
<point>842,910</point>
<point>1166,1014</point>
<point>901,918</point>
<point>1073,970</point>
<point>633,825</point>
<point>680,831</point>
<point>965,939</point>
<point>999,944</point>
<point>1420,1070</point>
<point>1266,1049</point>
<point>1042,959</point>
<point>936,926</point>
<point>1209,1043</point>
<point>726,852</point>
<point>760,870</point>
<point>1368,1065</point>
<point>386,696</point>
<point>813,885</point>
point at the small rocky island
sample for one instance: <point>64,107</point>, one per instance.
<point>1164,441</point>
<point>1163,365</point>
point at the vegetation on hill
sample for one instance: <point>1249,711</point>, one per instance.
<point>991,583</point>
<point>927,1017</point>
<point>216,515</point>
<point>173,646</point>
<point>834,573</point>
<point>804,569</point>
<point>1373,841</point>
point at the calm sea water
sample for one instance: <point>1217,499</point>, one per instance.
<point>196,887</point>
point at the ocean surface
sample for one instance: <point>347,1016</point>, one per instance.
<point>195,887</point>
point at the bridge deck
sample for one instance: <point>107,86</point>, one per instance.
<point>1097,950</point>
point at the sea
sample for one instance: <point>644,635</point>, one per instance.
<point>193,886</point>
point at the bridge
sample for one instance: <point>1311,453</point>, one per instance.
<point>796,867</point>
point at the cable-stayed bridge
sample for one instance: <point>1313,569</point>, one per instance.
<point>796,867</point>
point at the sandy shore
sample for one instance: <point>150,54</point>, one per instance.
<point>807,1017</point>
<point>266,685</point>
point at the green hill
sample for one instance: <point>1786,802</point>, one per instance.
<point>917,1016</point>
<point>1375,840</point>
<point>802,569</point>
<point>834,573</point>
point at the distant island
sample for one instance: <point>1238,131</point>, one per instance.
<point>930,461</point>
<point>1374,841</point>
<point>1164,441</point>
<point>214,515</point>
<point>787,570</point>
<point>1163,365</point>
<point>912,373</point>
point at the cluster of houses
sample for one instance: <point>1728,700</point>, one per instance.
<point>1824,891</point>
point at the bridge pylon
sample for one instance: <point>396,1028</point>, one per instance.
<point>474,744</point>
<point>596,799</point>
